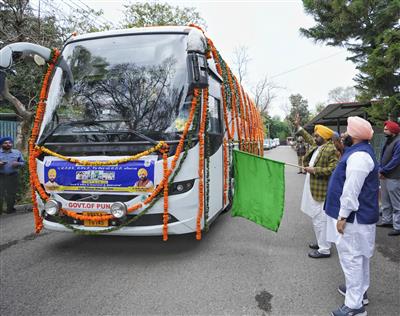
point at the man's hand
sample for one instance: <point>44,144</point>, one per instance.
<point>309,170</point>
<point>2,163</point>
<point>381,176</point>
<point>340,225</point>
<point>15,164</point>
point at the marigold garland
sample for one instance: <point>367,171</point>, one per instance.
<point>201,163</point>
<point>35,132</point>
<point>160,145</point>
<point>165,215</point>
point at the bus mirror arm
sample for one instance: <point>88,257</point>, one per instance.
<point>198,73</point>
<point>17,50</point>
<point>40,55</point>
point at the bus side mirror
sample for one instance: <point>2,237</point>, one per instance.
<point>198,72</point>
<point>6,58</point>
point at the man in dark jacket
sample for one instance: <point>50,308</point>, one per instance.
<point>11,161</point>
<point>301,151</point>
<point>389,173</point>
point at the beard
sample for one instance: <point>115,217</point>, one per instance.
<point>348,141</point>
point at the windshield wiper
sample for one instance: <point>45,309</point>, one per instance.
<point>51,132</point>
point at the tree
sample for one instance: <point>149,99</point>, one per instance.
<point>241,59</point>
<point>154,14</point>
<point>319,107</point>
<point>276,127</point>
<point>342,94</point>
<point>370,30</point>
<point>18,24</point>
<point>299,106</point>
<point>264,94</point>
<point>264,90</point>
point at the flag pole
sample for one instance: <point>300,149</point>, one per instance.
<point>292,165</point>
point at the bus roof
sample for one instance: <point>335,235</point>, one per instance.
<point>196,39</point>
<point>150,29</point>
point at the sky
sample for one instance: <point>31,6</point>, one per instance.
<point>270,31</point>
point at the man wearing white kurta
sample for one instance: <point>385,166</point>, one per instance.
<point>353,210</point>
<point>319,161</point>
<point>315,209</point>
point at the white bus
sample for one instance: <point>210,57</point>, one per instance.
<point>134,132</point>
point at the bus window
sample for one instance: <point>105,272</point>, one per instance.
<point>215,115</point>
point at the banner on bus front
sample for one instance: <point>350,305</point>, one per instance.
<point>131,177</point>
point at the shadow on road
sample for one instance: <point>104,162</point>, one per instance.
<point>109,245</point>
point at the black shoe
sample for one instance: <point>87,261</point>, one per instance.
<point>342,290</point>
<point>313,246</point>
<point>299,172</point>
<point>394,232</point>
<point>384,225</point>
<point>317,255</point>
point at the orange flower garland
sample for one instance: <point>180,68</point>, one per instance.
<point>219,70</point>
<point>165,180</point>
<point>201,163</point>
<point>160,145</point>
<point>35,132</point>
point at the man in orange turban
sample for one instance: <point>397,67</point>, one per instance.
<point>320,160</point>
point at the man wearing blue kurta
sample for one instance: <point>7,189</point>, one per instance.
<point>11,161</point>
<point>352,211</point>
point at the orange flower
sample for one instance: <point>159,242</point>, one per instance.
<point>165,216</point>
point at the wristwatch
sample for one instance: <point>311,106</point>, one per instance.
<point>342,218</point>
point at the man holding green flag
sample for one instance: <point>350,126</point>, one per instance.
<point>259,189</point>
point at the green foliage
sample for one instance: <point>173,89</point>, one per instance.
<point>83,22</point>
<point>18,23</point>
<point>277,128</point>
<point>370,30</point>
<point>299,106</point>
<point>154,14</point>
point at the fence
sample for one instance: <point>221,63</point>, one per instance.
<point>8,128</point>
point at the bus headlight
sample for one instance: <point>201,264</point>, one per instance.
<point>52,207</point>
<point>118,209</point>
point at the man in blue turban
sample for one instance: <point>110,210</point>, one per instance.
<point>11,161</point>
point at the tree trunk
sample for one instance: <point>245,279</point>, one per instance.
<point>23,134</point>
<point>24,129</point>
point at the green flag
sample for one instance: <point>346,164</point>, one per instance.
<point>259,189</point>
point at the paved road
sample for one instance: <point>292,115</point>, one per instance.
<point>239,268</point>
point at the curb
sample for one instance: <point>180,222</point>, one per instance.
<point>24,207</point>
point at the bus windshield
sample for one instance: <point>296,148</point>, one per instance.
<point>119,84</point>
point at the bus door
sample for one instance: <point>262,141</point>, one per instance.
<point>216,156</point>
